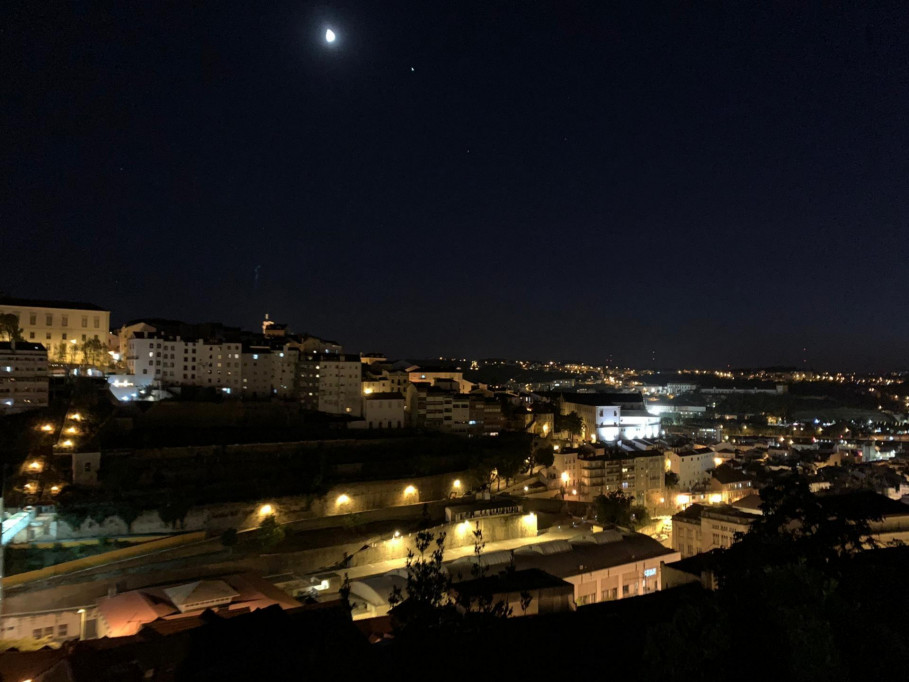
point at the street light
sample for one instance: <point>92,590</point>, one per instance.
<point>81,613</point>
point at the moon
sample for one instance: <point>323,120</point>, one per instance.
<point>329,36</point>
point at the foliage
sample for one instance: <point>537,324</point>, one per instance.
<point>671,479</point>
<point>9,327</point>
<point>796,526</point>
<point>94,352</point>
<point>570,423</point>
<point>270,533</point>
<point>427,582</point>
<point>616,508</point>
<point>543,456</point>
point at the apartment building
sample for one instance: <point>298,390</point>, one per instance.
<point>383,411</point>
<point>637,474</point>
<point>701,528</point>
<point>692,466</point>
<point>330,383</point>
<point>59,325</point>
<point>23,376</point>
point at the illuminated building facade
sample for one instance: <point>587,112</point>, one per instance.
<point>60,326</point>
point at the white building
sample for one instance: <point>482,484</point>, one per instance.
<point>692,466</point>
<point>331,383</point>
<point>383,411</point>
<point>608,417</point>
<point>254,371</point>
<point>58,324</point>
<point>23,376</point>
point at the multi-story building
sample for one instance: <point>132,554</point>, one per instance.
<point>60,326</point>
<point>23,376</point>
<point>330,383</point>
<point>434,374</point>
<point>700,528</point>
<point>438,409</point>
<point>637,474</point>
<point>383,411</point>
<point>608,417</point>
<point>692,466</point>
<point>566,469</point>
<point>385,381</point>
<point>730,484</point>
<point>254,371</point>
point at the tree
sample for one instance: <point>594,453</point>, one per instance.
<point>614,507</point>
<point>9,327</point>
<point>670,479</point>
<point>799,527</point>
<point>270,533</point>
<point>93,351</point>
<point>543,456</point>
<point>571,423</point>
<point>60,352</point>
<point>481,471</point>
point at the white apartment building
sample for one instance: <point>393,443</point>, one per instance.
<point>692,466</point>
<point>23,376</point>
<point>331,383</point>
<point>57,324</point>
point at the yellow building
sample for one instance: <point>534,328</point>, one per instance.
<point>60,326</point>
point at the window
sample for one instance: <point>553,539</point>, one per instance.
<point>31,335</point>
<point>33,318</point>
<point>64,336</point>
<point>97,322</point>
<point>36,633</point>
<point>47,335</point>
<point>65,321</point>
<point>49,631</point>
<point>62,630</point>
<point>87,467</point>
<point>49,320</point>
<point>85,320</point>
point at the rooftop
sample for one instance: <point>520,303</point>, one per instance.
<point>44,303</point>
<point>603,399</point>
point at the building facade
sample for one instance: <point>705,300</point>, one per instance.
<point>23,376</point>
<point>60,326</point>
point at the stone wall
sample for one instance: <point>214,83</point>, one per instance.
<point>342,499</point>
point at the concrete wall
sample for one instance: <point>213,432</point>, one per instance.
<point>342,499</point>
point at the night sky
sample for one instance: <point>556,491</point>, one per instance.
<point>659,184</point>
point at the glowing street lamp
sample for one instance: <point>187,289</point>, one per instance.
<point>266,510</point>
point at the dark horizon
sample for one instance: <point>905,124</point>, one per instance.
<point>661,185</point>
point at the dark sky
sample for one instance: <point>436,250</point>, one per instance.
<point>664,184</point>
